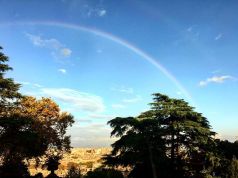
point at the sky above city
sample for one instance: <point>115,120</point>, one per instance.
<point>100,59</point>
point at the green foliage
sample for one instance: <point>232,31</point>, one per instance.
<point>227,149</point>
<point>52,163</point>
<point>104,173</point>
<point>14,169</point>
<point>140,145</point>
<point>73,173</point>
<point>187,135</point>
<point>170,140</point>
<point>29,128</point>
<point>53,122</point>
<point>19,140</point>
<point>233,168</point>
<point>227,152</point>
<point>8,88</point>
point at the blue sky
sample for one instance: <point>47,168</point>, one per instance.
<point>99,59</point>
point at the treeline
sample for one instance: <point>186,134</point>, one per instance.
<point>29,129</point>
<point>171,140</point>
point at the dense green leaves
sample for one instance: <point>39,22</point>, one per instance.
<point>140,146</point>
<point>29,128</point>
<point>227,149</point>
<point>53,122</point>
<point>171,136</point>
<point>19,139</point>
<point>8,88</point>
<point>187,134</point>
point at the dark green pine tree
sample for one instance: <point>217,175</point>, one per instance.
<point>140,147</point>
<point>9,94</point>
<point>187,134</point>
<point>170,140</point>
<point>16,133</point>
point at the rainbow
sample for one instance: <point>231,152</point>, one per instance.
<point>117,40</point>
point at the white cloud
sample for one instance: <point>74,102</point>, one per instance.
<point>69,99</point>
<point>123,89</point>
<point>102,12</point>
<point>66,52</point>
<point>215,79</point>
<point>216,71</point>
<point>63,71</point>
<point>23,83</point>
<point>37,85</point>
<point>52,44</point>
<point>84,121</point>
<point>76,99</point>
<point>92,135</point>
<point>47,43</point>
<point>88,10</point>
<point>30,84</point>
<point>101,116</point>
<point>118,106</point>
<point>132,100</point>
<point>219,36</point>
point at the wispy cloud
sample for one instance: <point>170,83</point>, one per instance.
<point>91,135</point>
<point>84,120</point>
<point>101,116</point>
<point>65,52</point>
<point>37,85</point>
<point>216,71</point>
<point>30,84</point>
<point>216,79</point>
<point>192,33</point>
<point>63,71</point>
<point>41,42</point>
<point>132,100</point>
<point>23,82</point>
<point>123,89</point>
<point>219,36</point>
<point>51,43</point>
<point>88,10</point>
<point>62,53</point>
<point>102,12</point>
<point>118,106</point>
<point>76,99</point>
<point>71,99</point>
<point>95,12</point>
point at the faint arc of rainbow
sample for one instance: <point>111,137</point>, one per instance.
<point>117,40</point>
